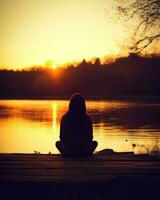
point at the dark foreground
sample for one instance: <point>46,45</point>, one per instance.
<point>116,176</point>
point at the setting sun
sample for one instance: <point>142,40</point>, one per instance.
<point>33,32</point>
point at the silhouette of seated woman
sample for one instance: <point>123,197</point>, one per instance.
<point>76,131</point>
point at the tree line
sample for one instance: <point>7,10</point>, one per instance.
<point>132,75</point>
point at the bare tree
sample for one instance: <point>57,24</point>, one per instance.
<point>146,15</point>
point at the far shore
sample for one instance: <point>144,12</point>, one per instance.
<point>139,98</point>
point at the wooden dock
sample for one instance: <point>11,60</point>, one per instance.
<point>54,170</point>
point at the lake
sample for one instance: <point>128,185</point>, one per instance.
<point>32,126</point>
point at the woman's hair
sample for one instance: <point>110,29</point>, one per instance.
<point>77,104</point>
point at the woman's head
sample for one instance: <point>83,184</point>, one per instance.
<point>77,104</point>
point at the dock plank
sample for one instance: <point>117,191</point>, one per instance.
<point>53,168</point>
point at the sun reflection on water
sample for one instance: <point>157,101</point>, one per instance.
<point>28,126</point>
<point>54,116</point>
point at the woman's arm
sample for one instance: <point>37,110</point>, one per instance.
<point>62,130</point>
<point>90,129</point>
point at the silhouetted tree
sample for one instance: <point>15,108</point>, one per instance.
<point>83,63</point>
<point>97,62</point>
<point>147,13</point>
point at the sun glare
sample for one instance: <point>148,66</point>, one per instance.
<point>62,31</point>
<point>54,67</point>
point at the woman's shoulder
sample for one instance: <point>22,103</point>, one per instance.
<point>65,116</point>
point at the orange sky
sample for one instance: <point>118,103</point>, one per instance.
<point>34,31</point>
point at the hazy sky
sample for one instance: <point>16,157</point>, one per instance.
<point>33,31</point>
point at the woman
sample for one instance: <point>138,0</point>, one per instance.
<point>76,131</point>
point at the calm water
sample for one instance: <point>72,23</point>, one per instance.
<point>33,125</point>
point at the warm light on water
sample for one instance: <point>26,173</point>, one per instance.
<point>28,126</point>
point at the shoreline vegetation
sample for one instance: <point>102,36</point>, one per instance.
<point>154,154</point>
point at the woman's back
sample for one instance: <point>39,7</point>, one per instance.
<point>76,129</point>
<point>76,132</point>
